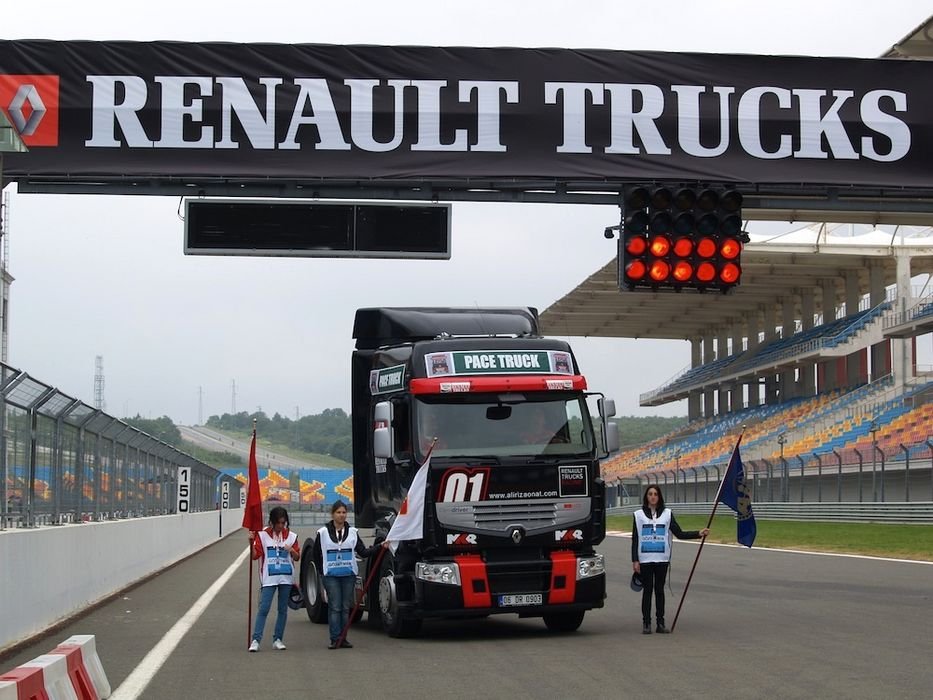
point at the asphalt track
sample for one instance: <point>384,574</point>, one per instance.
<point>756,624</point>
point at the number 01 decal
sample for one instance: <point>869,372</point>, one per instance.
<point>459,485</point>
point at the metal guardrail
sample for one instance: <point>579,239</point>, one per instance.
<point>63,461</point>
<point>910,513</point>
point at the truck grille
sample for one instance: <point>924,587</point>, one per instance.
<point>501,517</point>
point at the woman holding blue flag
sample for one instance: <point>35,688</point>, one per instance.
<point>334,551</point>
<point>652,526</point>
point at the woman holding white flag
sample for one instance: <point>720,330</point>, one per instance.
<point>334,550</point>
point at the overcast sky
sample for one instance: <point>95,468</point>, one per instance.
<point>106,275</point>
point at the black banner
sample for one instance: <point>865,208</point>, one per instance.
<point>118,110</point>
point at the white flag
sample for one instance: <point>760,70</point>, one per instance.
<point>409,523</point>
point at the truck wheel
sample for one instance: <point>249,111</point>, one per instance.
<point>312,588</point>
<point>564,621</point>
<point>393,622</point>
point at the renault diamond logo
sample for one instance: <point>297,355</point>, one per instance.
<point>31,104</point>
<point>517,535</point>
<point>27,96</point>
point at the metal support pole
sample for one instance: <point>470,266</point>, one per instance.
<point>930,447</point>
<point>802,465</point>
<point>860,467</point>
<point>770,472</point>
<point>838,477</point>
<point>873,429</point>
<point>819,478</point>
<point>881,477</point>
<point>906,473</point>
<point>705,484</point>
<point>785,480</point>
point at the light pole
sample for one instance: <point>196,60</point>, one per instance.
<point>873,429</point>
<point>782,438</point>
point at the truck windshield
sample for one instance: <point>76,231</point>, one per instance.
<point>503,426</point>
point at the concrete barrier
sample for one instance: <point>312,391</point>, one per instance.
<point>55,572</point>
<point>72,671</point>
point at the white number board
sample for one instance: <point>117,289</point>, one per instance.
<point>184,490</point>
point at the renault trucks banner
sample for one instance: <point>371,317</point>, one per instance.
<point>116,110</point>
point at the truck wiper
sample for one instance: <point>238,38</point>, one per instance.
<point>545,459</point>
<point>482,458</point>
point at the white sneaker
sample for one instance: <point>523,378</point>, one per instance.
<point>254,645</point>
<point>278,645</point>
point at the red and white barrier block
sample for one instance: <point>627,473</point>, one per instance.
<point>71,671</point>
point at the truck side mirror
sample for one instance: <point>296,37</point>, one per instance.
<point>612,437</point>
<point>607,407</point>
<point>383,437</point>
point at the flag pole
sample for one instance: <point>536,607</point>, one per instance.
<point>374,568</point>
<point>709,523</point>
<point>249,559</point>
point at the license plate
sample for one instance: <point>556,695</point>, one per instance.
<point>507,601</point>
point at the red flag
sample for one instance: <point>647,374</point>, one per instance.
<point>252,515</point>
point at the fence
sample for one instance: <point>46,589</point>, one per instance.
<point>64,461</point>
<point>852,476</point>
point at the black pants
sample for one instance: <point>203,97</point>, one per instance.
<point>653,576</point>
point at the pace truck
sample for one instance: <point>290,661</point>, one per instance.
<point>514,504</point>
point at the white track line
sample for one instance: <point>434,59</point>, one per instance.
<point>620,533</point>
<point>143,674</point>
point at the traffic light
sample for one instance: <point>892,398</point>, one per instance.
<point>681,238</point>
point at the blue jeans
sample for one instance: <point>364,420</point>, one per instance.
<point>339,602</point>
<point>265,603</point>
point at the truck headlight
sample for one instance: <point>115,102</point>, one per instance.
<point>447,572</point>
<point>587,567</point>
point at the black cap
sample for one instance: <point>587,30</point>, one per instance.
<point>636,583</point>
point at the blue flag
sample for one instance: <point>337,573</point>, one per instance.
<point>736,494</point>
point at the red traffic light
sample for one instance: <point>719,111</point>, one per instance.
<point>730,249</point>
<point>636,270</point>
<point>683,271</point>
<point>730,273</point>
<point>660,270</point>
<point>683,247</point>
<point>636,245</point>
<point>660,246</point>
<point>706,272</point>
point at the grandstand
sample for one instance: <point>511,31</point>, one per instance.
<point>814,355</point>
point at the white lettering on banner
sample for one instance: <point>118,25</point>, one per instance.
<point>479,362</point>
<point>519,361</point>
<point>198,112</point>
<point>814,124</point>
<point>175,112</point>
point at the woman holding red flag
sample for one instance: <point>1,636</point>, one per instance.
<point>277,547</point>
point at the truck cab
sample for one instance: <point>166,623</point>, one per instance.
<point>514,504</point>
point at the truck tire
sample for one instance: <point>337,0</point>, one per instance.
<point>394,623</point>
<point>564,621</point>
<point>311,586</point>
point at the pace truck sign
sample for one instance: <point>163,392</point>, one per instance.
<point>116,110</point>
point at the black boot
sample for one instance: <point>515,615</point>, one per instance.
<point>646,629</point>
<point>661,629</point>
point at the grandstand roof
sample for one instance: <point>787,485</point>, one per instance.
<point>773,269</point>
<point>916,44</point>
